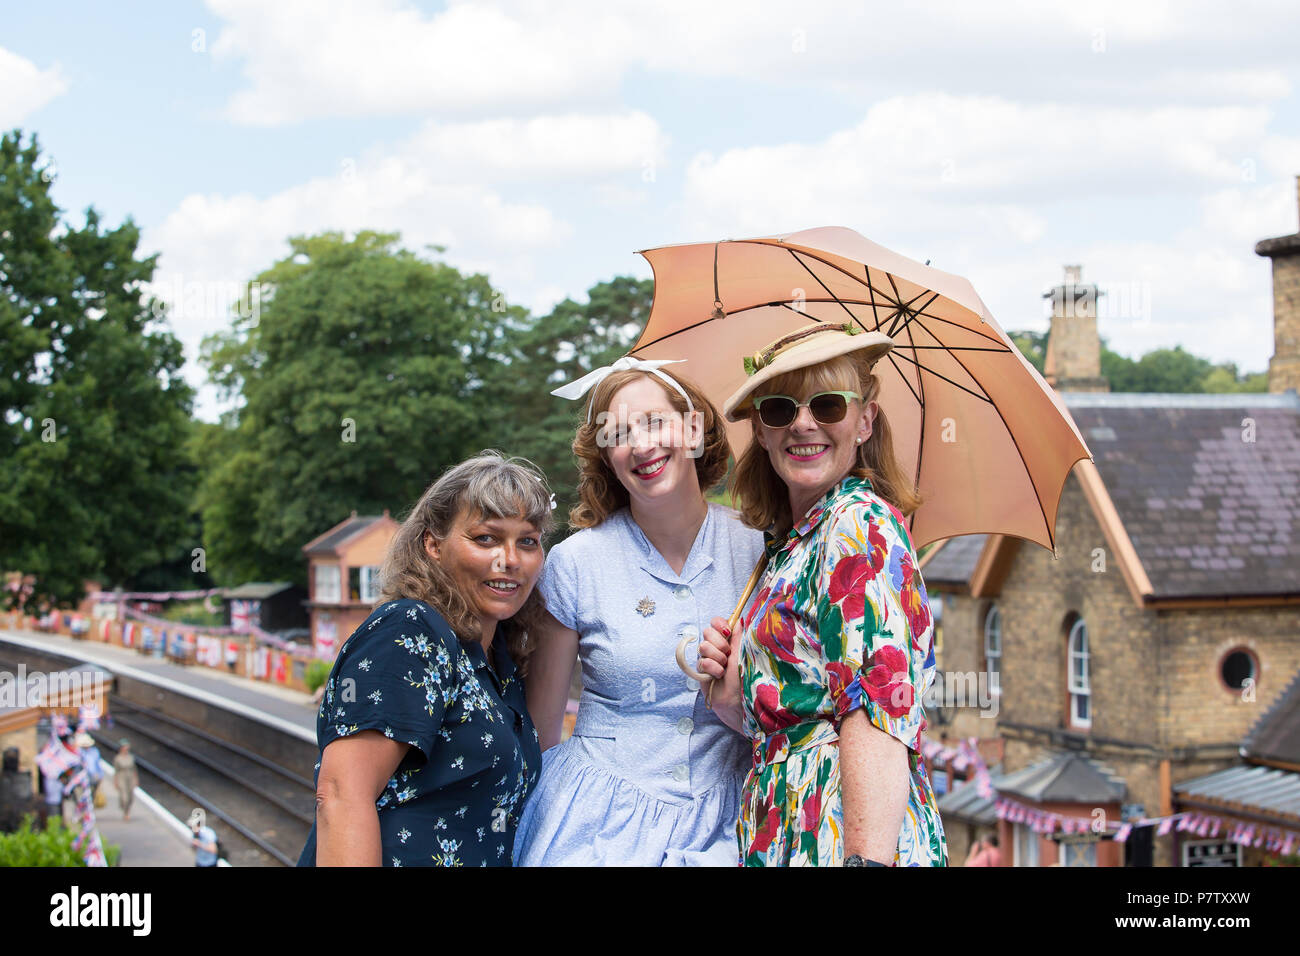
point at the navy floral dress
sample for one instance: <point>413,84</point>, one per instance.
<point>456,797</point>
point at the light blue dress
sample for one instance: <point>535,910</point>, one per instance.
<point>650,777</point>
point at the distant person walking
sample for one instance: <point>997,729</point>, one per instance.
<point>204,841</point>
<point>93,762</point>
<point>985,852</point>
<point>125,778</point>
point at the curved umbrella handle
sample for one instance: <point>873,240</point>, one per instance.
<point>704,679</point>
<point>706,682</point>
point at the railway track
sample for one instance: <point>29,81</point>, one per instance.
<point>261,811</point>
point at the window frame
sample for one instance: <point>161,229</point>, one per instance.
<point>1079,691</point>
<point>369,584</point>
<point>993,674</point>
<point>323,596</point>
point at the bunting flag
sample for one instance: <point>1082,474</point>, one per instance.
<point>152,595</point>
<point>1194,824</point>
<point>55,759</point>
<point>128,633</point>
<point>104,630</point>
<point>87,718</point>
<point>241,615</point>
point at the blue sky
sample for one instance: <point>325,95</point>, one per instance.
<point>1153,143</point>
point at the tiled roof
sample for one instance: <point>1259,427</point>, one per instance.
<point>954,562</point>
<point>1276,735</point>
<point>256,590</point>
<point>355,525</point>
<point>1207,487</point>
<point>964,802</point>
<point>1064,777</point>
<point>1247,787</point>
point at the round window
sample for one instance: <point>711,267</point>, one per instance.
<point>1236,668</point>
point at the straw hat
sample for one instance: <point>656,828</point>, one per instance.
<point>85,740</point>
<point>802,348</point>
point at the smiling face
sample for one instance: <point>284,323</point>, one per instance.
<point>808,456</point>
<point>493,562</point>
<point>647,443</point>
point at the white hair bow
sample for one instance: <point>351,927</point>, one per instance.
<point>579,387</point>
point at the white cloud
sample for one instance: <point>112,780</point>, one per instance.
<point>937,147</point>
<point>566,146</point>
<point>1006,192</point>
<point>25,88</point>
<point>212,244</point>
<point>513,57</point>
<point>345,58</point>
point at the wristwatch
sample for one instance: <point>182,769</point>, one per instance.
<point>857,860</point>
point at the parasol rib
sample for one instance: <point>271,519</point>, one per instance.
<point>826,288</point>
<point>924,368</point>
<point>889,355</point>
<point>1038,497</point>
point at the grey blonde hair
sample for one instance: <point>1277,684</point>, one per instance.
<point>489,485</point>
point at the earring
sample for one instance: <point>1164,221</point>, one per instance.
<point>859,441</point>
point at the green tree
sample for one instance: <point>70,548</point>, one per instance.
<point>1032,345</point>
<point>565,344</point>
<point>1161,370</point>
<point>93,479</point>
<point>363,373</point>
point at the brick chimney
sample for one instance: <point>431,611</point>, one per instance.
<point>1284,367</point>
<point>1073,361</point>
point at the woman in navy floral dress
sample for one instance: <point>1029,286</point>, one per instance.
<point>427,749</point>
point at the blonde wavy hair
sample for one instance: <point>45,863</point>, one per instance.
<point>488,485</point>
<point>600,493</point>
<point>764,499</point>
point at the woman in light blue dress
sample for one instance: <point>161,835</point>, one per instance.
<point>650,777</point>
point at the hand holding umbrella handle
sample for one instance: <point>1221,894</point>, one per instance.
<point>707,682</point>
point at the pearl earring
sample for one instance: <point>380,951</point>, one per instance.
<point>859,441</point>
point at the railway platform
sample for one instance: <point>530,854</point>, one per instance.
<point>289,710</point>
<point>152,837</point>
<point>241,751</point>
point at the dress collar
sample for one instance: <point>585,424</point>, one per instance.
<point>813,516</point>
<point>652,562</point>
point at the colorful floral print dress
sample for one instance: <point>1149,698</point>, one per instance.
<point>841,621</point>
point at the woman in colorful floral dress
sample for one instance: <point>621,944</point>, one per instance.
<point>427,749</point>
<point>836,650</point>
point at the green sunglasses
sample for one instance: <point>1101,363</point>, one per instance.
<point>778,411</point>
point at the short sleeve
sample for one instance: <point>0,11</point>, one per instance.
<point>396,676</point>
<point>874,623</point>
<point>559,585</point>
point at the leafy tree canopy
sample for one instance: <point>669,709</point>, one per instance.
<point>93,479</point>
<point>363,373</point>
<point>1161,370</point>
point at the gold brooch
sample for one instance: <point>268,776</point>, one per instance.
<point>645,607</point>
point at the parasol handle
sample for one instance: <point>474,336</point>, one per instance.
<point>706,682</point>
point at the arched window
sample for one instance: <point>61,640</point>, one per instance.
<point>1079,683</point>
<point>993,648</point>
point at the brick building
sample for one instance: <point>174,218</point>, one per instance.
<point>1284,251</point>
<point>1133,667</point>
<point>343,577</point>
